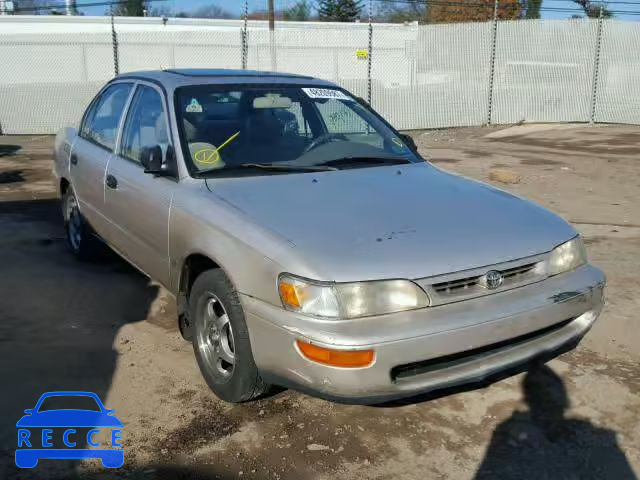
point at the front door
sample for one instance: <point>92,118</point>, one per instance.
<point>138,203</point>
<point>92,150</point>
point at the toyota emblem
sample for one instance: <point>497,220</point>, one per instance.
<point>492,280</point>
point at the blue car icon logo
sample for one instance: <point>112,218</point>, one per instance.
<point>43,425</point>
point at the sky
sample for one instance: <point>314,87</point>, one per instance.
<point>235,7</point>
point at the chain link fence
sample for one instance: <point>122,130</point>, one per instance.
<point>427,76</point>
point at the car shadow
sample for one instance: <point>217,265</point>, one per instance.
<point>58,320</point>
<point>8,150</point>
<point>542,443</point>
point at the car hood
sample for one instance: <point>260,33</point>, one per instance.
<point>407,221</point>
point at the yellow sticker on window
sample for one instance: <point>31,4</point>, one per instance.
<point>207,156</point>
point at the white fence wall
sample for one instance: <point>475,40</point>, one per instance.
<point>544,71</point>
<point>421,76</point>
<point>618,93</point>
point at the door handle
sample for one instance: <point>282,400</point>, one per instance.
<point>111,182</point>
<point>74,159</point>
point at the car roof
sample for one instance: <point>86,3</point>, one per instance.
<point>177,77</point>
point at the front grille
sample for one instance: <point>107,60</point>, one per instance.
<point>405,372</point>
<point>510,275</point>
<point>469,284</point>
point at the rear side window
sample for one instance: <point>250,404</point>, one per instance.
<point>101,123</point>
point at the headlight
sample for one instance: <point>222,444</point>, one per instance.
<point>349,300</point>
<point>567,256</point>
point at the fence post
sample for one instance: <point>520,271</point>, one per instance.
<point>370,53</point>
<point>245,46</point>
<point>114,40</point>
<point>596,69</point>
<point>492,61</point>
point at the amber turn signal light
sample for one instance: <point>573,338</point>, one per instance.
<point>289,295</point>
<point>336,358</point>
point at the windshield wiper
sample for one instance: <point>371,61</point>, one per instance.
<point>274,167</point>
<point>365,160</point>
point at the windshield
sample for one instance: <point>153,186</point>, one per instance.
<point>227,128</point>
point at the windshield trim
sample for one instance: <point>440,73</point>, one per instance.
<point>184,148</point>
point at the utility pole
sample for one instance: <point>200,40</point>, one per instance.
<point>272,16</point>
<point>272,33</point>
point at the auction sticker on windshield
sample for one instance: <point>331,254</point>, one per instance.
<point>326,93</point>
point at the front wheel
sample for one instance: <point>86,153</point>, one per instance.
<point>221,339</point>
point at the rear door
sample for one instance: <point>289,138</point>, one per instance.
<point>93,148</point>
<point>138,203</point>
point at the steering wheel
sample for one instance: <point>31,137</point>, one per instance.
<point>322,139</point>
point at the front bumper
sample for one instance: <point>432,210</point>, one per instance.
<point>428,349</point>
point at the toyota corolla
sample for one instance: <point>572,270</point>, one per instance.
<point>307,242</point>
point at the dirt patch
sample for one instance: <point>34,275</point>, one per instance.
<point>444,160</point>
<point>540,161</point>
<point>206,426</point>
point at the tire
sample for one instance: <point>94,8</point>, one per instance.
<point>221,339</point>
<point>80,238</point>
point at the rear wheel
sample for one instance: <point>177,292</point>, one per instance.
<point>221,339</point>
<point>80,239</point>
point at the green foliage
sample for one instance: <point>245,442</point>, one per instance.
<point>130,8</point>
<point>592,9</point>
<point>339,10</point>
<point>412,10</point>
<point>533,9</point>
<point>300,12</point>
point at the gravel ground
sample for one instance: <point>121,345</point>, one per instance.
<point>105,328</point>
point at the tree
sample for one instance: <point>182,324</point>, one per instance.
<point>412,10</point>
<point>130,8</point>
<point>300,11</point>
<point>592,9</point>
<point>339,10</point>
<point>30,7</point>
<point>207,11</point>
<point>473,11</point>
<point>211,11</point>
<point>533,9</point>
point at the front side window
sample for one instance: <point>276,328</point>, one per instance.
<point>232,129</point>
<point>102,121</point>
<point>146,124</point>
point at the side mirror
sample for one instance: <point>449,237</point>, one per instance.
<point>408,139</point>
<point>29,411</point>
<point>151,159</point>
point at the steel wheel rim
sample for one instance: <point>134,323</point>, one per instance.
<point>74,223</point>
<point>215,337</point>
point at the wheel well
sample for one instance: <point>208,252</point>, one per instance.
<point>64,185</point>
<point>193,266</point>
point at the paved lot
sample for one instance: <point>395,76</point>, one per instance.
<point>103,327</point>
